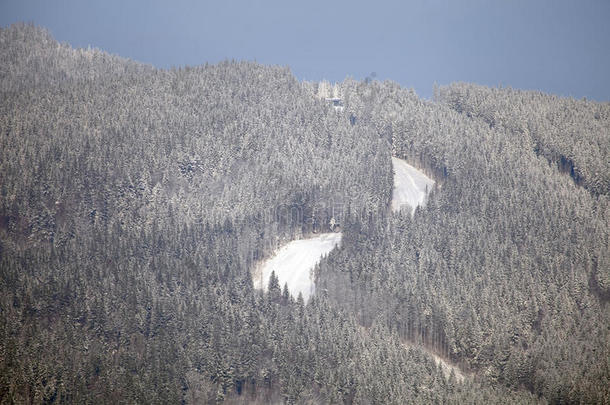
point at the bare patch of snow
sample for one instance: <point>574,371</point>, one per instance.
<point>293,263</point>
<point>411,186</point>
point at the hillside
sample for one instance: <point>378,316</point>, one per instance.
<point>135,201</point>
<point>504,272</point>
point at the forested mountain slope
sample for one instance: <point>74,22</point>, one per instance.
<point>574,134</point>
<point>135,200</point>
<point>506,270</point>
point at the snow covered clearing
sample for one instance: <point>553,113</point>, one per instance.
<point>410,186</point>
<point>293,263</point>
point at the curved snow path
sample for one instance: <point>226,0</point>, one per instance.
<point>410,186</point>
<point>294,262</point>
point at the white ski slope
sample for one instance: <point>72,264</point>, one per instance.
<point>410,186</point>
<point>293,263</point>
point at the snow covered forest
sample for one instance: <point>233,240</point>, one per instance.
<point>136,201</point>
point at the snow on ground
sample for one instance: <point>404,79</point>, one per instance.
<point>410,186</point>
<point>445,366</point>
<point>293,263</point>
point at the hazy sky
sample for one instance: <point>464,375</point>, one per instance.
<point>557,46</point>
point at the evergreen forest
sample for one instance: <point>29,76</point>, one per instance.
<point>135,202</point>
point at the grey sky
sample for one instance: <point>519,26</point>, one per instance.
<point>559,46</point>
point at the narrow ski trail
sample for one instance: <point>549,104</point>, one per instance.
<point>411,186</point>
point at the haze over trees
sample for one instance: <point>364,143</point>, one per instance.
<point>134,202</point>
